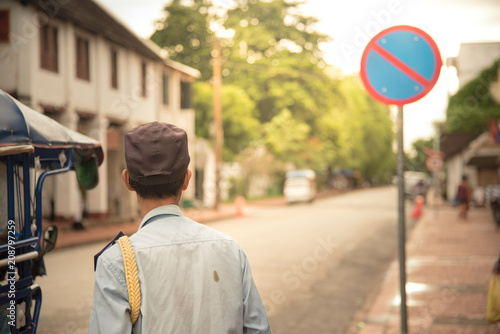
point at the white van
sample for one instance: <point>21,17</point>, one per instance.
<point>300,186</point>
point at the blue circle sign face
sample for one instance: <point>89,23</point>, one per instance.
<point>400,65</point>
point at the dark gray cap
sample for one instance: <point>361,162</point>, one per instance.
<point>156,153</point>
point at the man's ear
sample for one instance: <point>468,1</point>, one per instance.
<point>125,180</point>
<point>186,180</point>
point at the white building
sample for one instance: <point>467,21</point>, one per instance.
<point>74,62</point>
<point>476,155</point>
<point>472,59</point>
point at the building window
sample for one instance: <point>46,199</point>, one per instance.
<point>165,89</point>
<point>82,59</point>
<point>4,25</point>
<point>143,79</point>
<point>114,68</point>
<point>48,48</point>
<point>186,102</point>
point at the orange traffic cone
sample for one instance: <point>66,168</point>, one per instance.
<point>418,208</point>
<point>239,205</point>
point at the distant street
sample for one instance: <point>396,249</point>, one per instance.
<point>314,264</point>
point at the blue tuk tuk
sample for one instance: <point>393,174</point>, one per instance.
<point>32,147</point>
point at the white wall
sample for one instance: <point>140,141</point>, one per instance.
<point>21,72</point>
<point>9,59</point>
<point>115,103</point>
<point>17,52</point>
<point>455,172</point>
<point>474,58</point>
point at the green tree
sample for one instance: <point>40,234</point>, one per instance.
<point>472,108</point>
<point>275,56</point>
<point>241,128</point>
<point>286,137</point>
<point>274,53</point>
<point>309,117</point>
<point>185,34</point>
<point>359,133</point>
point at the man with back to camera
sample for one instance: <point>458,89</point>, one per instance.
<point>192,278</point>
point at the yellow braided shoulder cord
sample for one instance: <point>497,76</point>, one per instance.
<point>134,290</point>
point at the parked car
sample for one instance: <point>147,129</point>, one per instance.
<point>300,186</point>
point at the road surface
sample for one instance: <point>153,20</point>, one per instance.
<point>315,265</point>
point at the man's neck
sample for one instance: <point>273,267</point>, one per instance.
<point>148,204</point>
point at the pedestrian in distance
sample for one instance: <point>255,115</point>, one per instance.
<point>464,196</point>
<point>192,278</point>
<point>420,189</point>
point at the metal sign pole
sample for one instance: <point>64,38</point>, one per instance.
<point>401,220</point>
<point>398,78</point>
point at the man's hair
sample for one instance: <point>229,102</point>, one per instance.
<point>158,190</point>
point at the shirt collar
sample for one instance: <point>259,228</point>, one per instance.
<point>170,209</point>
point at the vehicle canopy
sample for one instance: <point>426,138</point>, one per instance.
<point>24,130</point>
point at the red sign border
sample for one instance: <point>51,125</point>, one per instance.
<point>429,160</point>
<point>369,47</point>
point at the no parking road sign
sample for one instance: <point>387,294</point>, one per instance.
<point>400,65</point>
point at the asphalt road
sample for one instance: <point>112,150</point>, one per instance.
<point>315,265</point>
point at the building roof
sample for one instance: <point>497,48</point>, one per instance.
<point>90,16</point>
<point>453,143</point>
<point>172,63</point>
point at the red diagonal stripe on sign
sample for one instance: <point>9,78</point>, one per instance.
<point>401,66</point>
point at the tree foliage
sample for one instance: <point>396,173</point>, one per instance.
<point>285,136</point>
<point>184,33</point>
<point>359,132</point>
<point>278,92</point>
<point>240,126</point>
<point>275,54</point>
<point>473,107</point>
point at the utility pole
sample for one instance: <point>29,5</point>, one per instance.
<point>219,135</point>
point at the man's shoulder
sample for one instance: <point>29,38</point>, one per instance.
<point>212,233</point>
<point>198,232</point>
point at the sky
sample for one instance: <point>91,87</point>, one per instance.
<point>352,23</point>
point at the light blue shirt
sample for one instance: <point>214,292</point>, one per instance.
<point>193,279</point>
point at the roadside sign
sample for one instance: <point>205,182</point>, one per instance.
<point>400,65</point>
<point>434,163</point>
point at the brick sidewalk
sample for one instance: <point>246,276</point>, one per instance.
<point>448,265</point>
